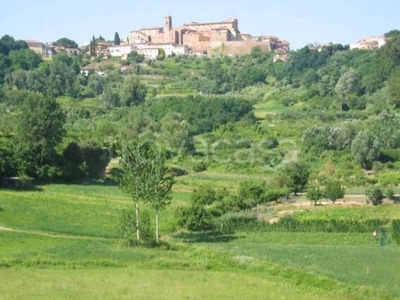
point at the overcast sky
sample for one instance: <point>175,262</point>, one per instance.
<point>299,21</point>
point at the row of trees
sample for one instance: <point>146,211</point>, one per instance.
<point>145,177</point>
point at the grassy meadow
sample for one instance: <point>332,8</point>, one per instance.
<point>61,242</point>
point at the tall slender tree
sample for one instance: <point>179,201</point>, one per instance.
<point>117,40</point>
<point>133,179</point>
<point>161,181</point>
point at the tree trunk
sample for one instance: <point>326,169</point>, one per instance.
<point>137,220</point>
<point>157,226</point>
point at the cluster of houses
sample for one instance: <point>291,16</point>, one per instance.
<point>48,50</point>
<point>149,50</point>
<point>191,38</point>
<point>370,43</point>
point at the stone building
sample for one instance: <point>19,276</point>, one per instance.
<point>40,48</point>
<point>199,37</point>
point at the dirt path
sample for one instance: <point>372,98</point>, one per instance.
<point>54,235</point>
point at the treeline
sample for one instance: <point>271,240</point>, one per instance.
<point>34,149</point>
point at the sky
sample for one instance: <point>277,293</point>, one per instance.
<point>301,22</point>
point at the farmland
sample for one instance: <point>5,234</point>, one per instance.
<point>61,240</point>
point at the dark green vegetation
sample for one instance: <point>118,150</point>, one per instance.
<point>239,134</point>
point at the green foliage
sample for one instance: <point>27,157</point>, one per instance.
<point>117,40</point>
<point>348,84</point>
<point>204,114</point>
<point>298,175</point>
<point>195,218</point>
<point>161,54</point>
<point>396,231</point>
<point>204,195</point>
<point>66,43</point>
<point>317,139</point>
<point>127,227</point>
<point>132,91</point>
<point>40,130</point>
<point>390,194</point>
<point>134,57</point>
<point>387,178</point>
<point>375,195</point>
<point>314,194</point>
<point>365,148</point>
<point>334,190</point>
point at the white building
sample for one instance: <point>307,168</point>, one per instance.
<point>121,50</point>
<point>370,43</point>
<point>149,53</point>
<point>151,50</point>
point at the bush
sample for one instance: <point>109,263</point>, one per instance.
<point>204,195</point>
<point>389,178</point>
<point>199,167</point>
<point>195,218</point>
<point>390,194</point>
<point>375,195</point>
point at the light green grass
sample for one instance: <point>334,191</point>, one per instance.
<point>91,210</point>
<point>66,101</point>
<point>350,258</point>
<point>135,283</point>
<point>271,108</point>
<point>353,213</point>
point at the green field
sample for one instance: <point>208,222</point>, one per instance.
<point>60,242</point>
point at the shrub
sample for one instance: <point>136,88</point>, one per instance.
<point>199,167</point>
<point>375,195</point>
<point>389,178</point>
<point>390,194</point>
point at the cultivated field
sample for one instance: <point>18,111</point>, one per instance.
<point>60,242</point>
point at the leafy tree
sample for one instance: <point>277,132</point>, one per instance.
<point>161,54</point>
<point>334,191</point>
<point>40,130</point>
<point>134,57</point>
<point>205,195</point>
<point>298,174</point>
<point>134,176</point>
<point>25,59</point>
<point>365,148</point>
<point>394,88</point>
<point>195,218</point>
<point>62,79</point>
<point>96,84</point>
<point>375,195</point>
<point>145,177</point>
<point>176,133</point>
<point>72,163</point>
<point>110,98</point>
<point>314,194</point>
<point>117,40</point>
<point>66,43</point>
<point>348,84</point>
<point>94,158</point>
<point>321,138</point>
<point>160,181</point>
<point>385,128</point>
<point>133,92</point>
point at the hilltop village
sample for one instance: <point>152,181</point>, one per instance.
<point>193,38</point>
